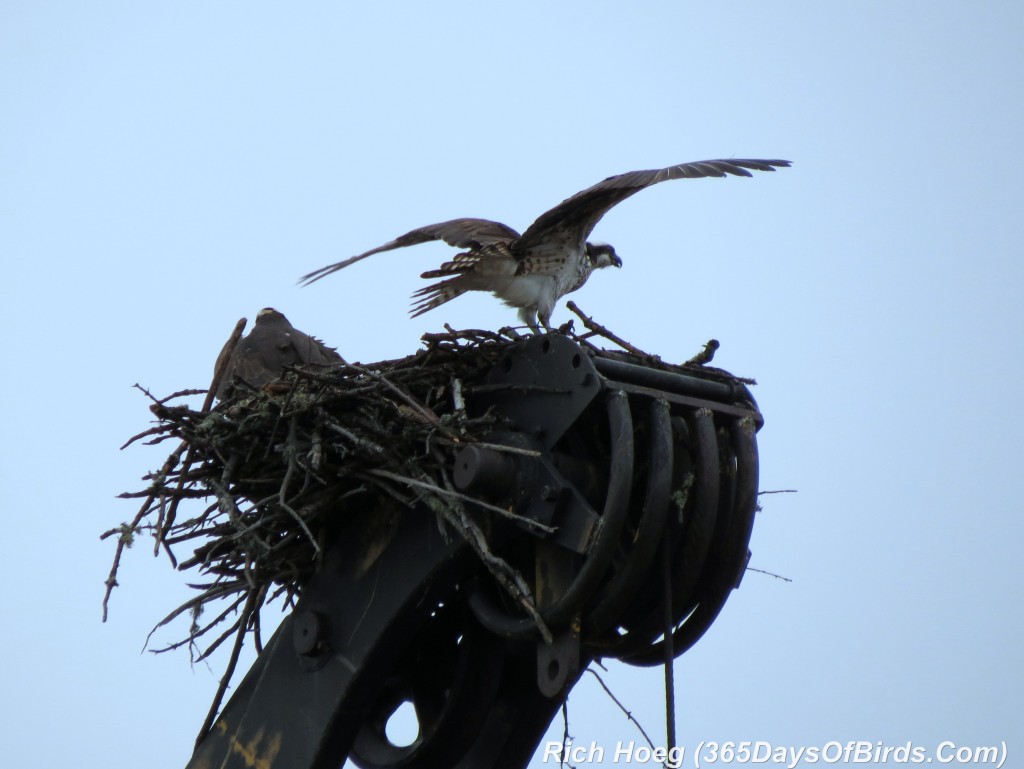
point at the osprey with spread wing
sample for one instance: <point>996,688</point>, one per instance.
<point>552,258</point>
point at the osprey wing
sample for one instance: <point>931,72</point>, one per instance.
<point>460,233</point>
<point>584,210</point>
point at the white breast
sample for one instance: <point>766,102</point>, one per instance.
<point>528,291</point>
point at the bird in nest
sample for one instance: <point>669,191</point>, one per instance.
<point>552,258</point>
<point>266,353</point>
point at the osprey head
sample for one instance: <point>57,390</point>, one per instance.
<point>269,314</point>
<point>602,255</point>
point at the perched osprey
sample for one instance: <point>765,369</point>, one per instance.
<point>552,258</point>
<point>271,346</point>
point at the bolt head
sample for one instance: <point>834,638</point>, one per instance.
<point>308,633</point>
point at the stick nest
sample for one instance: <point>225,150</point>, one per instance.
<point>272,465</point>
<point>270,471</point>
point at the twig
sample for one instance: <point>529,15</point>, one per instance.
<point>770,574</point>
<point>622,707</point>
<point>565,734</point>
<point>282,494</point>
<point>510,579</point>
<point>418,407</point>
<point>166,520</point>
<point>221,366</point>
<point>158,430</point>
<point>129,529</point>
<point>529,522</point>
<point>250,607</point>
<point>196,631</point>
<point>355,439</point>
<point>496,447</point>
<point>597,328</point>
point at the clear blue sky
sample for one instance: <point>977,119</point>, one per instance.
<point>168,168</point>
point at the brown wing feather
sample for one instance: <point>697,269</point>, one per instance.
<point>585,209</point>
<point>481,269</point>
<point>463,263</point>
<point>436,294</point>
<point>460,233</point>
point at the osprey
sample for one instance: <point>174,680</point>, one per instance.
<point>267,351</point>
<point>552,258</point>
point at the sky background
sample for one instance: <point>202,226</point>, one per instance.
<point>168,168</point>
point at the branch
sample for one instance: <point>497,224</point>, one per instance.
<point>597,328</point>
<point>622,707</point>
<point>463,498</point>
